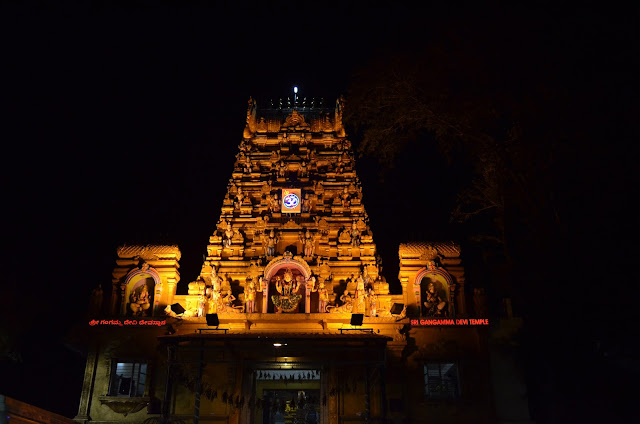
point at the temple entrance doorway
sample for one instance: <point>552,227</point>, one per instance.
<point>287,396</point>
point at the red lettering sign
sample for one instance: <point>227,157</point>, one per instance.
<point>457,322</point>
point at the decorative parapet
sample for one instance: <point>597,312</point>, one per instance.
<point>428,251</point>
<point>149,252</point>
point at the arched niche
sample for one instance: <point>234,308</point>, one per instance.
<point>442,283</point>
<point>276,268</point>
<point>141,292</point>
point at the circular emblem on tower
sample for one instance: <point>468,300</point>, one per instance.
<point>290,201</point>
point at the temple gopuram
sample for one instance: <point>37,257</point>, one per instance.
<point>290,319</point>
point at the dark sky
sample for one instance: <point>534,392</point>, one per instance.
<point>123,120</point>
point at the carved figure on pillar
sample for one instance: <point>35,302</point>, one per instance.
<point>323,297</point>
<point>250,297</point>
<point>361,295</point>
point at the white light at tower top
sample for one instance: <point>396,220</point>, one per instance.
<point>295,90</point>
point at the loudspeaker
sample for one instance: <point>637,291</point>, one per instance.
<point>212,320</point>
<point>356,319</point>
<point>397,308</point>
<point>177,308</point>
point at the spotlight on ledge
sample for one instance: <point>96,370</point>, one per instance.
<point>213,320</point>
<point>356,319</point>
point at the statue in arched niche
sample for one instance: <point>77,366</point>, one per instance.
<point>434,305</point>
<point>288,298</point>
<point>139,300</point>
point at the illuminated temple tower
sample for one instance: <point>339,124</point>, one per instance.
<point>290,319</point>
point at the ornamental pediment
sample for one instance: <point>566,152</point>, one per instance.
<point>295,121</point>
<point>292,225</point>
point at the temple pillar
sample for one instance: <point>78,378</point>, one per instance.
<point>265,296</point>
<point>87,387</point>
<point>307,297</point>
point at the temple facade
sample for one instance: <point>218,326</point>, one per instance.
<point>290,319</point>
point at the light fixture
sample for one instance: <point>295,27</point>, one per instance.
<point>356,319</point>
<point>213,320</point>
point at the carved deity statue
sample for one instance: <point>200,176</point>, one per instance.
<point>360,295</point>
<point>288,298</point>
<point>270,243</point>
<point>373,303</point>
<point>239,198</point>
<point>306,203</point>
<point>247,165</point>
<point>228,235</point>
<point>250,297</point>
<point>139,300</point>
<point>214,292</point>
<point>355,235</point>
<point>347,304</point>
<point>303,169</point>
<point>323,297</point>
<point>229,299</point>
<point>434,305</point>
<point>282,171</point>
<point>346,202</point>
<point>274,205</point>
<point>201,306</point>
<point>346,298</point>
<point>308,243</point>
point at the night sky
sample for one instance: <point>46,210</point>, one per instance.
<point>122,120</point>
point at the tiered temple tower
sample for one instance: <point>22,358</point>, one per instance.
<point>293,204</point>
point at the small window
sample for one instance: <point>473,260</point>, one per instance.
<point>441,380</point>
<point>128,379</point>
